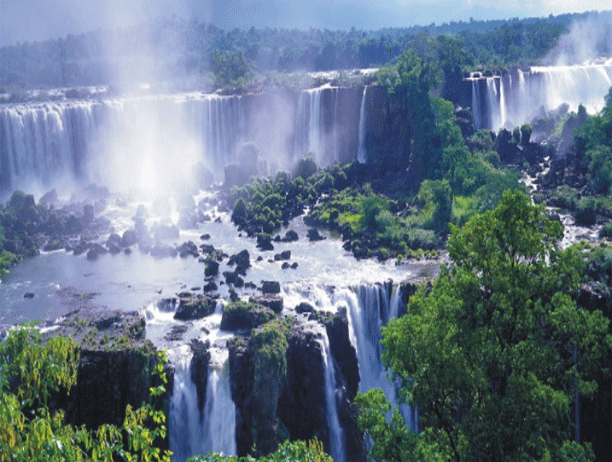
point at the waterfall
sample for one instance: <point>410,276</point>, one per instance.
<point>369,309</point>
<point>120,143</point>
<point>186,432</point>
<point>219,413</point>
<point>196,431</point>
<point>362,152</point>
<point>539,90</point>
<point>336,434</point>
<point>476,108</point>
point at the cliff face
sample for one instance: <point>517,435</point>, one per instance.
<point>299,410</point>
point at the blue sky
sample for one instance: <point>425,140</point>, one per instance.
<point>34,20</point>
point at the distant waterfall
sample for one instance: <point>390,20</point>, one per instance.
<point>362,152</point>
<point>517,96</point>
<point>196,431</point>
<point>127,142</point>
<point>336,434</point>
<point>317,125</point>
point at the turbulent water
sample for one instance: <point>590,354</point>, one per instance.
<point>519,95</point>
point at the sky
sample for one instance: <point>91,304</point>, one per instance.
<point>36,20</point>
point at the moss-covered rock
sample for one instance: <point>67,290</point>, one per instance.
<point>241,315</point>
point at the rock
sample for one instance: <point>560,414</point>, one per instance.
<point>314,235</point>
<point>274,302</point>
<point>176,333</point>
<point>211,267</point>
<point>238,282</point>
<point>230,277</point>
<point>114,249</point>
<point>304,308</point>
<point>188,249</point>
<point>28,295</point>
<point>210,287</point>
<point>95,251</point>
<point>290,236</point>
<point>242,260</point>
<point>264,242</point>
<point>199,368</point>
<point>195,307</point>
<point>284,255</point>
<point>294,265</point>
<point>49,198</point>
<point>205,237</point>
<point>240,315</point>
<point>270,287</point>
<point>285,266</point>
<point>114,240</point>
<point>128,238</point>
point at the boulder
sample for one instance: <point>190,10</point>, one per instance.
<point>242,260</point>
<point>195,307</point>
<point>270,287</point>
<point>128,238</point>
<point>314,235</point>
<point>211,267</point>
<point>188,249</point>
<point>284,255</point>
<point>274,302</point>
<point>264,242</point>
<point>240,315</point>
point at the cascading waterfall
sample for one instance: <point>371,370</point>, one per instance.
<point>362,152</point>
<point>117,142</point>
<point>186,431</point>
<point>196,431</point>
<point>220,411</point>
<point>336,434</point>
<point>523,95</point>
<point>369,309</point>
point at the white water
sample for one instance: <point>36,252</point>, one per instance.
<point>336,434</point>
<point>362,154</point>
<point>186,429</point>
<point>514,101</point>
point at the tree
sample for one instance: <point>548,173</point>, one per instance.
<point>31,372</point>
<point>496,351</point>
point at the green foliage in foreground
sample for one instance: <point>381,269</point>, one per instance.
<point>296,451</point>
<point>496,351</point>
<point>31,372</point>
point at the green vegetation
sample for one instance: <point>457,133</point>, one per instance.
<point>32,372</point>
<point>296,451</point>
<point>226,59</point>
<point>496,351</point>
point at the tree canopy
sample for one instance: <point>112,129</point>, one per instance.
<point>495,353</point>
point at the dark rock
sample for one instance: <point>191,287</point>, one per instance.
<point>95,251</point>
<point>290,236</point>
<point>176,333</point>
<point>285,266</point>
<point>188,249</point>
<point>199,369</point>
<point>274,302</point>
<point>239,315</point>
<point>114,240</point>
<point>127,251</point>
<point>210,287</point>
<point>195,307</point>
<point>211,267</point>
<point>28,295</point>
<point>304,308</point>
<point>264,242</point>
<point>270,287</point>
<point>205,237</point>
<point>314,235</point>
<point>294,265</point>
<point>230,277</point>
<point>284,255</point>
<point>242,260</point>
<point>114,249</point>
